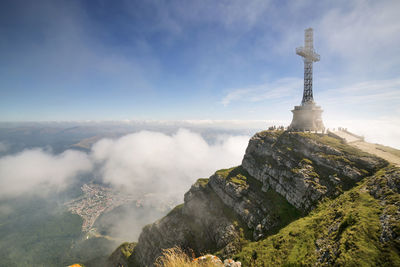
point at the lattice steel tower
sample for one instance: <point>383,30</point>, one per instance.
<point>307,116</point>
<point>309,56</point>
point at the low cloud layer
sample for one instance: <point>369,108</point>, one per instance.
<point>139,163</point>
<point>37,171</point>
<point>153,162</point>
<point>385,131</point>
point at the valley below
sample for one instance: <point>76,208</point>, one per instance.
<point>97,200</point>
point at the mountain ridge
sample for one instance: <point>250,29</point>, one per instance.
<point>283,176</point>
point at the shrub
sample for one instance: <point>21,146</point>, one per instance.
<point>176,257</point>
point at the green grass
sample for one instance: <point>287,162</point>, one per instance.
<point>127,249</point>
<point>274,133</point>
<point>388,149</point>
<point>347,226</point>
<point>239,179</point>
<point>225,172</point>
<point>336,143</point>
<point>236,175</point>
<point>306,161</point>
<point>202,182</point>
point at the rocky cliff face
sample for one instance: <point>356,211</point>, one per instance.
<point>304,167</point>
<point>201,224</point>
<point>283,176</point>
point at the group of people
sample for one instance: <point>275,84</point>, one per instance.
<point>271,128</point>
<point>283,128</point>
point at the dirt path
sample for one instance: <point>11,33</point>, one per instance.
<point>375,150</point>
<point>350,138</point>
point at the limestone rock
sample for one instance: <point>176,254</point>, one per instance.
<point>232,263</point>
<point>199,225</point>
<point>209,259</point>
<point>304,167</point>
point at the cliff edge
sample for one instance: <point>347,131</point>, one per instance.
<point>283,176</point>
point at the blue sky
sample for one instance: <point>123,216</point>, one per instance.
<point>173,60</point>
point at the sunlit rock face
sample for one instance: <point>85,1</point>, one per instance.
<point>283,175</point>
<point>304,167</point>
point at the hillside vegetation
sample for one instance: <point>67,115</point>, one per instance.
<point>347,230</point>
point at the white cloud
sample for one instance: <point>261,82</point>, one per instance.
<point>279,89</point>
<point>173,16</point>
<point>142,163</point>
<point>152,162</point>
<point>36,171</point>
<point>384,131</point>
<point>363,31</point>
<point>376,91</point>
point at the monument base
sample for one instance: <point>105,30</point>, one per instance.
<point>307,118</point>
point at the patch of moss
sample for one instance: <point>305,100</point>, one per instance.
<point>239,180</point>
<point>313,174</point>
<point>202,182</point>
<point>306,166</point>
<point>225,172</point>
<point>336,158</point>
<point>236,175</point>
<point>316,185</point>
<point>127,249</point>
<point>306,161</point>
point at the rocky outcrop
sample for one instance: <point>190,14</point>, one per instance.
<point>201,224</point>
<point>260,211</point>
<point>283,175</point>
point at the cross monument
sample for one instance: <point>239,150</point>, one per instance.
<point>307,116</point>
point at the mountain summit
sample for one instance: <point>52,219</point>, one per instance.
<point>297,198</point>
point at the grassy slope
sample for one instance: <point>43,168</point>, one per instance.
<point>349,226</point>
<point>388,149</point>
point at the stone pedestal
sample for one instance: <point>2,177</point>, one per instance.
<point>307,117</point>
